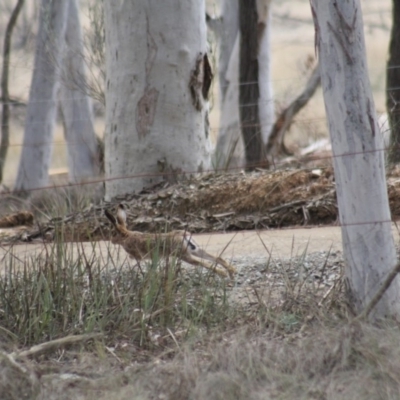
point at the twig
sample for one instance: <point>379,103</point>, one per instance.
<point>287,205</point>
<point>112,352</point>
<point>9,359</point>
<point>36,351</point>
<point>326,294</point>
<point>388,281</point>
<point>174,339</point>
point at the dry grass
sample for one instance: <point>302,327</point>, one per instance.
<point>324,362</point>
<point>181,335</point>
<point>169,334</point>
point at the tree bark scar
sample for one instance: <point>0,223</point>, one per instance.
<point>200,81</point>
<point>208,76</point>
<point>342,44</point>
<point>151,51</point>
<point>371,118</point>
<point>195,83</point>
<point>145,111</point>
<point>147,105</point>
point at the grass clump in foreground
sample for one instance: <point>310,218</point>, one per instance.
<point>344,361</point>
<point>69,290</point>
<point>292,338</point>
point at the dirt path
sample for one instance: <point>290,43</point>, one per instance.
<point>282,243</point>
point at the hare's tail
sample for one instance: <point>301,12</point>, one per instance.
<point>195,250</point>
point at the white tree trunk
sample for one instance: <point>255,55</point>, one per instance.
<point>227,39</point>
<point>41,111</point>
<point>266,105</point>
<point>229,151</point>
<point>358,157</point>
<point>76,107</point>
<point>155,110</point>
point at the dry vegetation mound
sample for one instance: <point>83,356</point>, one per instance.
<point>214,202</point>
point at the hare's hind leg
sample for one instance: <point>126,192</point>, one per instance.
<point>199,252</point>
<point>195,250</point>
<point>198,263</point>
<point>229,267</point>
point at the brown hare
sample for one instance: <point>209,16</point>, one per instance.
<point>180,244</point>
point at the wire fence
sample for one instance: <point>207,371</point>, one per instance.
<point>215,129</point>
<point>19,102</point>
<point>261,165</point>
<point>171,106</point>
<point>305,121</point>
<point>166,106</point>
<point>234,170</point>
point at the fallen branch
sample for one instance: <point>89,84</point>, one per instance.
<point>287,205</point>
<point>388,281</point>
<point>53,345</point>
<point>285,118</point>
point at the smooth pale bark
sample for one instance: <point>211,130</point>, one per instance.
<point>157,81</point>
<point>76,107</point>
<point>229,29</point>
<point>41,111</point>
<point>229,151</point>
<point>358,157</point>
<point>265,103</point>
<point>230,146</point>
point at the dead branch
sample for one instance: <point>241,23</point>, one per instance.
<point>388,281</point>
<point>53,345</point>
<point>17,381</point>
<point>285,118</point>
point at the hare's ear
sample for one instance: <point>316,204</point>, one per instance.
<point>111,217</point>
<point>121,215</point>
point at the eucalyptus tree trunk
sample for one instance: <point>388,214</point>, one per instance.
<point>230,151</point>
<point>265,103</point>
<point>392,86</point>
<point>358,157</point>
<point>5,115</point>
<point>229,29</point>
<point>83,160</point>
<point>255,90</point>
<point>41,111</point>
<point>158,78</point>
